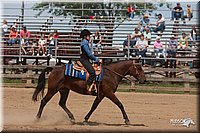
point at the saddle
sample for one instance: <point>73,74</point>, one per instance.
<point>79,67</point>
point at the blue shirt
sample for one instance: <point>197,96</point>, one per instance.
<point>85,49</point>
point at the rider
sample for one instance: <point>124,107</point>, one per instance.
<point>87,57</point>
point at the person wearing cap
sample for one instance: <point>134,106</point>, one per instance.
<point>189,13</point>
<point>87,57</point>
<point>177,12</point>
<point>158,47</point>
<point>144,23</point>
<point>160,24</point>
<point>172,47</point>
<point>13,36</point>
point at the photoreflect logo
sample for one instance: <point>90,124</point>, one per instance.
<point>184,122</point>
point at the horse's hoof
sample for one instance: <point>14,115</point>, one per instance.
<point>72,121</point>
<point>37,118</point>
<point>127,122</point>
<point>85,122</point>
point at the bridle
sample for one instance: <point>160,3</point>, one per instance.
<point>137,73</point>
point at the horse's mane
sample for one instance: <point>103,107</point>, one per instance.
<point>115,62</point>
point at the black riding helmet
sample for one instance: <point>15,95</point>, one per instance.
<point>84,32</point>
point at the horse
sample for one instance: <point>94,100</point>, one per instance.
<point>58,82</point>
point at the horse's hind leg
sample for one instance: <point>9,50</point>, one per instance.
<point>94,106</point>
<point>63,98</point>
<point>114,99</point>
<point>44,101</point>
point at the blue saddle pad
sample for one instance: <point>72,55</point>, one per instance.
<point>70,71</point>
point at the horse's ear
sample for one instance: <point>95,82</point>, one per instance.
<point>136,61</point>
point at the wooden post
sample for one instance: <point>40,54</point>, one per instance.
<point>186,84</point>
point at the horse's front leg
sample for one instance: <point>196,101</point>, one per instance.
<point>94,106</point>
<point>115,100</point>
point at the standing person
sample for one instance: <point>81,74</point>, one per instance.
<point>51,43</point>
<point>86,57</point>
<point>130,11</point>
<point>42,44</point>
<point>160,24</point>
<point>193,34</point>
<point>4,28</point>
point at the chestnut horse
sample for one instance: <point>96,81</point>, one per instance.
<point>113,74</point>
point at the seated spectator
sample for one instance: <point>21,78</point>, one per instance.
<point>4,28</point>
<point>172,47</point>
<point>193,34</point>
<point>147,35</point>
<point>183,42</point>
<point>144,23</point>
<point>42,45</point>
<point>158,47</point>
<point>141,47</point>
<point>125,46</point>
<point>189,13</point>
<point>13,36</point>
<point>160,24</point>
<point>97,39</point>
<point>135,35</point>
<point>130,11</point>
<point>24,36</point>
<point>177,12</point>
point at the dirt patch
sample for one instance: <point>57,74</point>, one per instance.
<point>146,111</point>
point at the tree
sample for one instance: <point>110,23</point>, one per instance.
<point>109,9</point>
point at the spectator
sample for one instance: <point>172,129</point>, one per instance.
<point>97,40</point>
<point>193,34</point>
<point>177,12</point>
<point>130,11</point>
<point>144,23</point>
<point>125,46</point>
<point>158,47</point>
<point>24,36</point>
<point>189,13</point>
<point>13,36</point>
<point>42,44</point>
<point>4,28</point>
<point>51,43</point>
<point>135,35</point>
<point>183,42</point>
<point>141,47</point>
<point>172,47</point>
<point>147,35</point>
<point>160,24</point>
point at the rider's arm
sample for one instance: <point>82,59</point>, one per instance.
<point>88,51</point>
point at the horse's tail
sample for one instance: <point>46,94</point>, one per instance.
<point>41,83</point>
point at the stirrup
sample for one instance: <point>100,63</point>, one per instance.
<point>92,88</point>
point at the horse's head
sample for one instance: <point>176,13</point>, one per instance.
<point>137,71</point>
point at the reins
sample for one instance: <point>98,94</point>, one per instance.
<point>118,74</point>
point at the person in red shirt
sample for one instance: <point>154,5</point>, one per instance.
<point>130,11</point>
<point>24,36</point>
<point>13,36</point>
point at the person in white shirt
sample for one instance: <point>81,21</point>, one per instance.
<point>141,46</point>
<point>4,28</point>
<point>160,24</point>
<point>147,35</point>
<point>41,44</point>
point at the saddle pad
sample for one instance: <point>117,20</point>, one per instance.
<point>70,71</point>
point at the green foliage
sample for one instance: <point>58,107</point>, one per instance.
<point>66,8</point>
